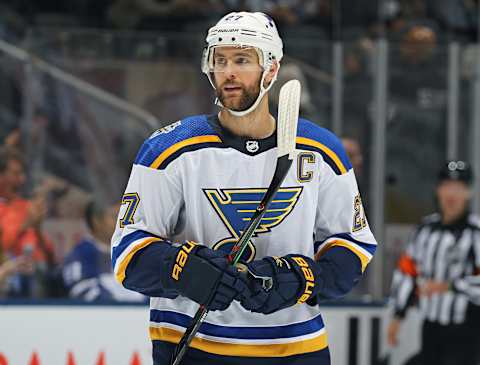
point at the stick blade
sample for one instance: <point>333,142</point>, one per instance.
<point>288,109</point>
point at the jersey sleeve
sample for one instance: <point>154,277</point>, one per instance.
<point>80,273</point>
<point>148,216</point>
<point>344,243</point>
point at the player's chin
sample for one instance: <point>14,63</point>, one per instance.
<point>236,108</point>
<point>233,103</point>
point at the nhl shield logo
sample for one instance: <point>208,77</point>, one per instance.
<point>252,146</point>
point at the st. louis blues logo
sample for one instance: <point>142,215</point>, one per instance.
<point>235,208</point>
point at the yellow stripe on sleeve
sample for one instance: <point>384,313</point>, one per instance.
<point>120,275</point>
<point>328,151</point>
<point>230,349</point>
<point>363,258</point>
<point>177,146</point>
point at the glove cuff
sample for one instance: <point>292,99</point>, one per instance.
<point>194,274</point>
<point>185,250</point>
<point>305,269</point>
<point>175,261</point>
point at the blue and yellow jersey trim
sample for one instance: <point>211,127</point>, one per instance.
<point>312,137</point>
<point>278,341</point>
<point>194,133</point>
<point>130,244</point>
<point>364,251</point>
<point>177,149</point>
<point>167,144</point>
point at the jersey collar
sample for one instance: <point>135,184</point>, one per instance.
<point>248,146</point>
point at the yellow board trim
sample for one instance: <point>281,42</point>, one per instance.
<point>328,151</point>
<point>177,146</point>
<point>120,275</point>
<point>228,349</point>
<point>363,258</point>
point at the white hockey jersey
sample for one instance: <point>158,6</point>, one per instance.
<point>194,180</point>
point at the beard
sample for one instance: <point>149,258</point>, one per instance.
<point>239,103</point>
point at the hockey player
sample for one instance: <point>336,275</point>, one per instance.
<point>193,187</point>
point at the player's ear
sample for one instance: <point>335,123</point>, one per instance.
<point>271,74</point>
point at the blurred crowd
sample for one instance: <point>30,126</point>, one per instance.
<point>328,18</point>
<point>32,264</point>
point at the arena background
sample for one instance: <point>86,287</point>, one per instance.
<point>84,82</point>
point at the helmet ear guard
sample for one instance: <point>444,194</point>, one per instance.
<point>244,29</point>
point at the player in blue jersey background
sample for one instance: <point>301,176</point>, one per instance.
<point>87,269</point>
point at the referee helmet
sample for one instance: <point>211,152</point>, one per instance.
<point>456,170</point>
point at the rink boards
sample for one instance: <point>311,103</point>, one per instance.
<point>73,334</point>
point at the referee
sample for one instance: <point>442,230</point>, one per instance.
<point>439,272</point>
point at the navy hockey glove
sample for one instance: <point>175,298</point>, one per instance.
<point>203,275</point>
<point>279,282</point>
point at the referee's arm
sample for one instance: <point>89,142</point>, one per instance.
<point>404,285</point>
<point>470,283</point>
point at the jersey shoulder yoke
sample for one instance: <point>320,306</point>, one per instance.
<point>168,143</point>
<point>312,137</point>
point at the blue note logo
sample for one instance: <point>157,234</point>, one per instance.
<point>235,208</point>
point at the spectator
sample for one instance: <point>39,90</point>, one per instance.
<point>458,16</point>
<point>87,270</point>
<point>354,152</point>
<point>12,140</point>
<point>21,226</point>
<point>10,267</point>
<point>355,155</point>
<point>418,46</point>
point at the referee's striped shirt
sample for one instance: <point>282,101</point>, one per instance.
<point>446,253</point>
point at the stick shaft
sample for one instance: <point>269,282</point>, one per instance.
<point>281,169</point>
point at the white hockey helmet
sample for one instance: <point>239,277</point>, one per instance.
<point>245,29</point>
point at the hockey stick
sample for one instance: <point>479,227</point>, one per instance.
<point>288,108</point>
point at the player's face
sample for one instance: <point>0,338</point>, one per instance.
<point>237,76</point>
<point>354,153</point>
<point>453,197</point>
<point>108,222</point>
